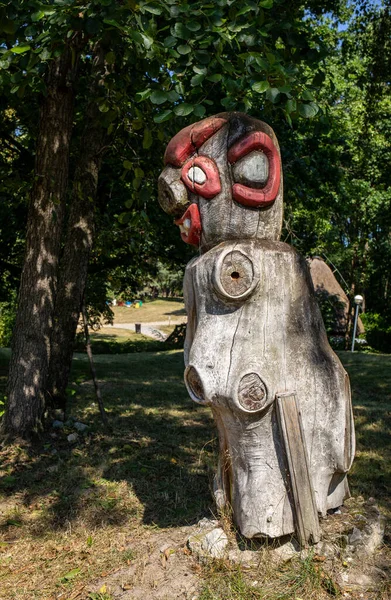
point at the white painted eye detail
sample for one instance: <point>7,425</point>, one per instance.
<point>185,226</point>
<point>196,175</point>
<point>252,170</point>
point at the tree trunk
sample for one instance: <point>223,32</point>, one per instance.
<point>78,244</point>
<point>31,341</point>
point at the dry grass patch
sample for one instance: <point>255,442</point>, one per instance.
<point>72,514</point>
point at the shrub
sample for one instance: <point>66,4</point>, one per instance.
<point>378,331</point>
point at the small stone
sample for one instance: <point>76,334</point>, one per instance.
<point>57,424</point>
<point>355,536</point>
<point>207,523</point>
<point>215,543</point>
<point>286,551</point>
<point>72,438</point>
<point>80,427</point>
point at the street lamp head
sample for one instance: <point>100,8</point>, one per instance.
<point>358,299</point>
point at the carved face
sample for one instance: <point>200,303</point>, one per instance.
<point>223,180</point>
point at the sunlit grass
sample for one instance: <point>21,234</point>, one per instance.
<point>82,508</point>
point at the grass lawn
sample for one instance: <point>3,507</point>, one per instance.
<point>72,513</point>
<point>151,311</point>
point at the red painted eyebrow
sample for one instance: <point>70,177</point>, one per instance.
<point>185,143</point>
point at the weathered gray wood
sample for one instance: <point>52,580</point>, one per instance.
<point>246,351</point>
<point>306,514</point>
<point>255,333</point>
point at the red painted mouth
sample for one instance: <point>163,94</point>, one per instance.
<point>190,225</point>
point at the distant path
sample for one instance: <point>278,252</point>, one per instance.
<point>150,329</point>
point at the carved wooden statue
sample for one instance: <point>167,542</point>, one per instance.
<point>256,349</point>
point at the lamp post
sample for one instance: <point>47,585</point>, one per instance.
<point>358,300</point>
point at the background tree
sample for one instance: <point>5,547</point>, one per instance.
<point>135,74</point>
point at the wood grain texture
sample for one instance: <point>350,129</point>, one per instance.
<point>303,499</point>
<point>277,334</point>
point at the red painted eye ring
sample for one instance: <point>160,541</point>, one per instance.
<point>193,236</point>
<point>212,185</point>
<point>257,140</point>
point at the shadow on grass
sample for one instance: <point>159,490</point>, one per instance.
<point>370,377</point>
<point>154,467</point>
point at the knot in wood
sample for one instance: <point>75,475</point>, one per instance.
<point>234,276</point>
<point>252,393</point>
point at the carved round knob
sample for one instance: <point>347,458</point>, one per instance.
<point>252,393</point>
<point>194,385</point>
<point>235,276</point>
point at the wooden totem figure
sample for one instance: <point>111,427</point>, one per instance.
<point>256,349</point>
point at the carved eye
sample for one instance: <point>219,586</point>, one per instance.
<point>252,170</point>
<point>235,275</point>
<point>250,187</point>
<point>196,175</point>
<point>201,176</point>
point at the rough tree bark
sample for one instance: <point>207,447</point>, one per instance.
<point>78,243</point>
<point>31,340</point>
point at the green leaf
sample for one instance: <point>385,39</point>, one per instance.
<point>184,49</point>
<point>260,86</point>
<point>147,140</point>
<point>200,70</point>
<point>140,96</point>
<point>203,57</point>
<point>114,23</point>
<point>110,58</point>
<point>308,110</point>
<point>261,62</point>
<point>306,95</point>
<point>37,16</point>
<point>173,96</point>
<point>199,110</point>
<point>71,575</point>
<point>291,106</point>
<point>139,173</point>
<point>169,42</point>
<point>124,218</point>
<point>164,116</point>
<point>215,77</point>
<point>127,165</point>
<point>266,3</point>
<point>20,49</point>
<point>272,94</point>
<point>152,8</point>
<point>158,97</point>
<point>141,38</point>
<point>180,31</point>
<point>182,110</point>
<point>193,25</point>
<point>197,79</point>
<point>244,10</point>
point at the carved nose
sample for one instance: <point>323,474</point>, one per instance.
<point>194,385</point>
<point>172,193</point>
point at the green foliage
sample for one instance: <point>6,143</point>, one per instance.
<point>331,308</point>
<point>377,331</point>
<point>7,323</point>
